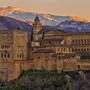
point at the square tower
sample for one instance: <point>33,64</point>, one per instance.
<point>20,45</point>
<point>37,26</point>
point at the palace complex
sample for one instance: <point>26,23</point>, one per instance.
<point>51,50</point>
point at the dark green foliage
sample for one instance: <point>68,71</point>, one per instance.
<point>39,80</point>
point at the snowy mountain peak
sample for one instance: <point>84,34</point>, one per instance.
<point>4,11</point>
<point>77,18</point>
<point>68,23</point>
<point>46,19</point>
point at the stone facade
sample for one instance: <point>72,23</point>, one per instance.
<point>61,51</point>
<point>13,51</point>
<point>51,50</point>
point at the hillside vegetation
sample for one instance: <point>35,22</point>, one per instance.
<point>41,80</point>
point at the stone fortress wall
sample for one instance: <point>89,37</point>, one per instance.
<point>51,50</point>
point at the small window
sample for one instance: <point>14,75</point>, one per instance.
<point>59,57</point>
<point>73,41</point>
<point>8,55</point>
<point>81,49</point>
<point>78,49</point>
<point>72,49</point>
<point>75,49</point>
<point>87,49</point>
<point>32,49</point>
<point>5,55</point>
<point>58,49</point>
<point>49,42</point>
<point>2,46</point>
<point>17,55</point>
<point>1,55</point>
<point>38,57</point>
<point>20,55</point>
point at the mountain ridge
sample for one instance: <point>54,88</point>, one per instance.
<point>27,16</point>
<point>68,23</point>
<point>7,23</point>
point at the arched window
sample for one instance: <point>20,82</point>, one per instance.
<point>5,55</point>
<point>75,41</point>
<point>8,55</point>
<point>17,55</point>
<point>20,55</point>
<point>82,49</point>
<point>85,41</point>
<point>1,55</point>
<point>49,42</point>
<point>87,49</point>
<point>72,49</point>
<point>2,46</point>
<point>75,49</point>
<point>81,41</point>
<point>59,57</point>
<point>78,49</point>
<point>58,49</point>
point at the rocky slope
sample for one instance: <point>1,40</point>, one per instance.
<point>7,23</point>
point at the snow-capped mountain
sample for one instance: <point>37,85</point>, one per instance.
<point>21,14</point>
<point>74,26</point>
<point>68,23</point>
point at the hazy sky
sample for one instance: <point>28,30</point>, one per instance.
<point>59,7</point>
